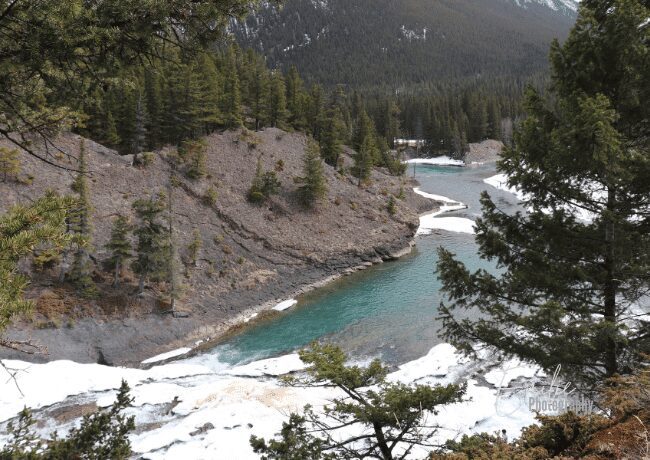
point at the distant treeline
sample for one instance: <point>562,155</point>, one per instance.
<point>447,116</point>
<point>176,98</point>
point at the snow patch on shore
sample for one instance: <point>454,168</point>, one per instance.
<point>500,182</point>
<point>269,367</point>
<point>40,385</point>
<point>433,196</point>
<point>285,305</point>
<point>451,224</point>
<point>437,161</point>
<point>168,355</point>
<point>430,222</point>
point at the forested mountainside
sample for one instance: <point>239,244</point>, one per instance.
<point>390,43</point>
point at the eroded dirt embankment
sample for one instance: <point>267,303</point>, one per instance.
<point>251,256</point>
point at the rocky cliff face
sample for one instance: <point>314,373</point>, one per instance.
<point>251,255</point>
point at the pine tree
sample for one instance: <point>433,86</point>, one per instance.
<point>494,121</point>
<point>255,194</point>
<point>331,133</point>
<point>232,92</point>
<point>363,159</point>
<point>363,130</point>
<point>259,95</point>
<point>277,101</point>
<point>391,126</point>
<point>155,106</point>
<point>9,163</point>
<point>391,206</point>
<point>190,102</point>
<point>22,229</point>
<point>152,247</point>
<point>94,110</point>
<point>138,140</point>
<point>102,434</point>
<point>193,155</point>
<point>111,137</point>
<point>264,184</point>
<point>315,112</point>
<point>296,100</point>
<point>119,246</point>
<point>194,247</point>
<point>80,228</point>
<point>391,415</point>
<point>314,184</point>
<point>575,264</point>
<point>209,83</point>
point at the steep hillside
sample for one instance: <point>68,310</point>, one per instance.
<point>250,255</point>
<point>386,42</point>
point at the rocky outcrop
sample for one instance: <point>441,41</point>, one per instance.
<point>251,255</point>
<point>487,151</point>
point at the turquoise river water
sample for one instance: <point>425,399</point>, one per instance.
<point>387,311</point>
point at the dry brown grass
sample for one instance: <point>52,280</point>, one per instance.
<point>51,304</point>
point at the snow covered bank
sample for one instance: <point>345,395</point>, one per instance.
<point>500,181</point>
<point>430,222</point>
<point>437,161</point>
<point>186,410</point>
<point>450,224</point>
<point>433,196</point>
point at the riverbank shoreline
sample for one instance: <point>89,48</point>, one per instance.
<point>206,340</point>
<point>250,257</point>
<point>195,340</point>
<point>266,311</point>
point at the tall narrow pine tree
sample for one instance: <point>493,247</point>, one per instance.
<point>152,248</point>
<point>80,228</point>
<point>314,185</point>
<point>119,246</point>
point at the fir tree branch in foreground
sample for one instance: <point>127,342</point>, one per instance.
<point>386,420</point>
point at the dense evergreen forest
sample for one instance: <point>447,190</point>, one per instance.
<point>447,116</point>
<point>453,72</point>
<point>177,100</point>
<point>180,99</point>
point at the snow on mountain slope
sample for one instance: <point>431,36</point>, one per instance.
<point>394,42</point>
<point>564,6</point>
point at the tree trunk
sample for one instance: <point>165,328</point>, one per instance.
<point>116,283</point>
<point>64,267</point>
<point>381,442</point>
<point>610,288</point>
<point>141,285</point>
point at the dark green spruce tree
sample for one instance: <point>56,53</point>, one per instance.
<point>277,101</point>
<point>331,132</point>
<point>572,289</point>
<point>363,159</point>
<point>119,246</point>
<point>80,228</point>
<point>314,184</point>
<point>153,246</point>
<point>232,108</point>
